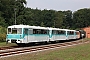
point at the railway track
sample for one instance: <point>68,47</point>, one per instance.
<point>10,51</point>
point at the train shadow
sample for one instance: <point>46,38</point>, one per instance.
<point>44,43</point>
<point>39,43</point>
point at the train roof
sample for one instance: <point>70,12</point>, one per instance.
<point>34,27</point>
<point>37,27</point>
<point>70,30</point>
<point>57,29</point>
<point>26,26</point>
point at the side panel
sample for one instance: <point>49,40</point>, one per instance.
<point>31,37</point>
<point>59,37</point>
<point>36,38</point>
<point>71,35</point>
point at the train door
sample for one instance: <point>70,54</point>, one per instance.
<point>26,35</point>
<point>50,35</point>
<point>66,35</point>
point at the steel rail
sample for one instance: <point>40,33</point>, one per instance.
<point>24,50</point>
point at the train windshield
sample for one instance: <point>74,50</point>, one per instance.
<point>14,30</point>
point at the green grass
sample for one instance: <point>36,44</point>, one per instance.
<point>78,52</point>
<point>3,44</point>
<point>81,52</point>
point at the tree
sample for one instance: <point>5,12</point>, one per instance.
<point>48,17</point>
<point>67,22</point>
<point>58,20</point>
<point>81,18</point>
<point>8,8</point>
<point>20,11</point>
<point>42,24</point>
<point>2,22</point>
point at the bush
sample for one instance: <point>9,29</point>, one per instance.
<point>2,37</point>
<point>2,34</point>
<point>3,30</point>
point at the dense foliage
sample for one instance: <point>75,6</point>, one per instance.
<point>11,9</point>
<point>2,34</point>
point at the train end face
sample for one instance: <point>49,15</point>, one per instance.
<point>82,34</point>
<point>14,41</point>
<point>14,38</point>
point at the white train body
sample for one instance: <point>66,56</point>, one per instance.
<point>27,34</point>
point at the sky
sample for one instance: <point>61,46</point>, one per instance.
<point>58,5</point>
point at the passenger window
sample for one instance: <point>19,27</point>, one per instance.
<point>54,32</point>
<point>58,32</point>
<point>70,32</point>
<point>40,31</point>
<point>61,32</point>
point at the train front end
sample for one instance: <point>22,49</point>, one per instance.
<point>14,35</point>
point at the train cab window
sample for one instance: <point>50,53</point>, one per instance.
<point>14,30</point>
<point>9,30</point>
<point>19,31</point>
